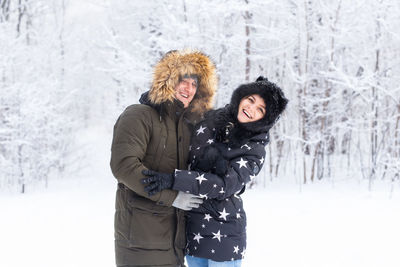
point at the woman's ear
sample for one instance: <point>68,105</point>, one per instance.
<point>261,78</point>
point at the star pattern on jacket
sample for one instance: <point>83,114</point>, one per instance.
<point>203,196</point>
<point>245,146</point>
<point>217,235</point>
<point>201,129</point>
<point>201,178</point>
<point>216,228</point>
<point>243,253</point>
<point>223,214</point>
<point>242,163</point>
<point>207,217</point>
<point>197,237</point>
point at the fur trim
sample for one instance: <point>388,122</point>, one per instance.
<point>173,66</point>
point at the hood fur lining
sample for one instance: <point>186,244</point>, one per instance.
<point>176,64</point>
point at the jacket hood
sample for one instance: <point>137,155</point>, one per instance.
<point>231,130</point>
<point>275,102</point>
<point>172,67</point>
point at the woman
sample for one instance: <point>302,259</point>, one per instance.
<point>227,151</point>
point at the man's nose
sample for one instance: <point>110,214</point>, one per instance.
<point>191,87</point>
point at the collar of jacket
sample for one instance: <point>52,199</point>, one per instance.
<point>173,109</point>
<point>229,130</point>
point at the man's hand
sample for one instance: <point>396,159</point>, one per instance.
<point>186,201</point>
<point>157,181</point>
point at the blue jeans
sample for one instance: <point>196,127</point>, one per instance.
<point>202,262</point>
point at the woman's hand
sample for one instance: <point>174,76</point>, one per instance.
<point>211,161</point>
<point>157,181</point>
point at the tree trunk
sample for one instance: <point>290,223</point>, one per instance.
<point>247,19</point>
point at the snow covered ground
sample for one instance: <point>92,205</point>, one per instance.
<point>70,224</point>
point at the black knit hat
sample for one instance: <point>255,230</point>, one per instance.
<point>275,103</point>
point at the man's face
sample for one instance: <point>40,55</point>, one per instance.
<point>185,91</point>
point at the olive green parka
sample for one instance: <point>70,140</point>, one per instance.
<point>155,135</point>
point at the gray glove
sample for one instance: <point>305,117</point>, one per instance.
<point>186,201</point>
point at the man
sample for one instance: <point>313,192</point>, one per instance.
<point>155,135</point>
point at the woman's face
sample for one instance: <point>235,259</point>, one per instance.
<point>251,108</point>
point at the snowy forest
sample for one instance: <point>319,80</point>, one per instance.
<point>70,65</point>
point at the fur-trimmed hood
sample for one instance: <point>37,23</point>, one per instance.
<point>174,65</point>
<point>225,119</point>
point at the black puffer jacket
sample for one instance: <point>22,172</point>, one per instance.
<point>217,230</point>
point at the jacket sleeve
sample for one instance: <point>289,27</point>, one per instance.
<point>241,170</point>
<point>132,134</point>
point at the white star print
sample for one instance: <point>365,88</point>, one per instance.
<point>212,251</point>
<point>207,217</point>
<point>203,226</point>
<point>246,146</point>
<point>223,214</point>
<point>262,160</point>
<point>238,216</point>
<point>236,249</point>
<point>217,235</point>
<point>210,141</point>
<point>215,185</point>
<point>222,191</point>
<point>201,178</point>
<point>201,129</point>
<point>244,252</point>
<point>203,196</point>
<point>197,237</point>
<point>242,163</point>
<point>252,177</point>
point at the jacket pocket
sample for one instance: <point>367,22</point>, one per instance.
<point>151,226</point>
